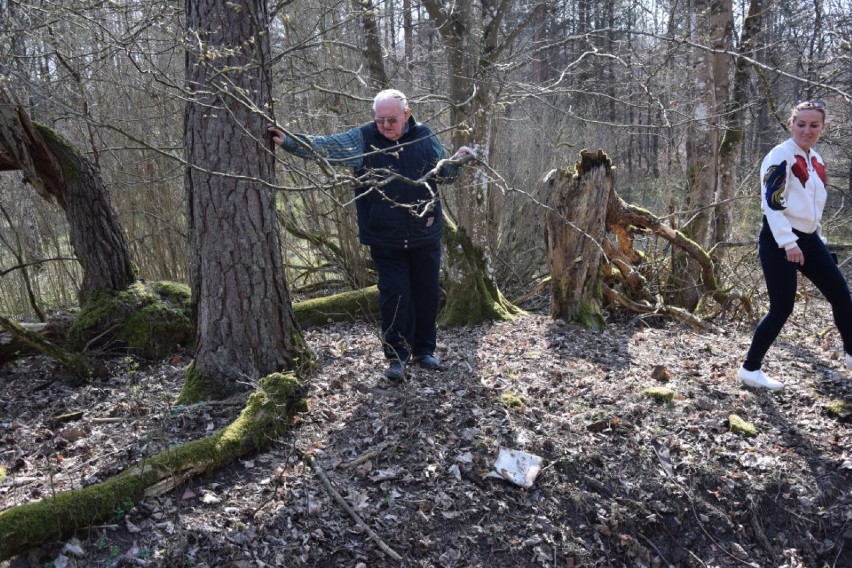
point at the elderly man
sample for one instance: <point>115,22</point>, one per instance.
<point>399,220</point>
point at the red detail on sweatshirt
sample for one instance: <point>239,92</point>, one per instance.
<point>800,170</point>
<point>820,169</point>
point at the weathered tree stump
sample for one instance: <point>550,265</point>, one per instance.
<point>592,259</point>
<point>576,227</point>
<point>57,170</point>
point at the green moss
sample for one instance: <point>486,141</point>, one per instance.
<point>194,387</point>
<point>472,297</point>
<point>660,394</point>
<point>264,417</point>
<point>2,474</point>
<point>838,408</point>
<point>173,292</point>
<point>589,315</point>
<point>20,527</point>
<point>261,420</point>
<point>338,307</point>
<point>741,427</point>
<point>147,319</point>
<point>512,401</point>
<point>67,154</point>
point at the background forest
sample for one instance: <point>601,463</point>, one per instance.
<point>685,98</point>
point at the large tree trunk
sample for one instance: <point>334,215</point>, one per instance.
<point>241,303</point>
<point>56,169</point>
<point>576,227</point>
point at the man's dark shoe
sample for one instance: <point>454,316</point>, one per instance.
<point>430,362</point>
<point>396,371</point>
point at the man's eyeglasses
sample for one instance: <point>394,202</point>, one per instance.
<point>389,120</point>
<point>818,104</point>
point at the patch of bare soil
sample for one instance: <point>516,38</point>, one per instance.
<point>627,480</point>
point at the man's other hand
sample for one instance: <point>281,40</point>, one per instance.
<point>463,151</point>
<point>276,133</point>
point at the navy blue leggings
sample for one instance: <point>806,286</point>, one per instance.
<point>781,281</point>
<point>408,298</point>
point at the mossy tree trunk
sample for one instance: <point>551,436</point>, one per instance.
<point>576,227</point>
<point>245,326</point>
<point>475,40</point>
<point>57,170</point>
<point>472,296</point>
<point>265,417</point>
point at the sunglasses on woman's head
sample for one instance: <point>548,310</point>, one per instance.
<point>818,104</point>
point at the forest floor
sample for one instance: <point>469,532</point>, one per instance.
<point>626,480</point>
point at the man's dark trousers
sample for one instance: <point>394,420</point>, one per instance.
<point>408,298</point>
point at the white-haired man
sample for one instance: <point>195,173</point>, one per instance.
<point>400,221</point>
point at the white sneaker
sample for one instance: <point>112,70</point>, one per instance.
<point>758,379</point>
<point>849,361</point>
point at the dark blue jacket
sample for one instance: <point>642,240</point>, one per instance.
<point>399,214</point>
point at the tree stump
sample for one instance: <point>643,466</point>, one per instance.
<point>576,227</point>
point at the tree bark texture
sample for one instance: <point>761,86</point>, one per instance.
<point>703,143</point>
<point>592,260</point>
<point>372,44</point>
<point>56,169</point>
<point>732,139</point>
<point>576,229</point>
<point>241,303</point>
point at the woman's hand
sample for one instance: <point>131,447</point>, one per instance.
<point>796,255</point>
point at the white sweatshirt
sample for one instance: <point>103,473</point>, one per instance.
<point>792,192</point>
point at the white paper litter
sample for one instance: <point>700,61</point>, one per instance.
<point>516,466</point>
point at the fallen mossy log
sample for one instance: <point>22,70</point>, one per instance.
<point>346,306</point>
<point>27,339</point>
<point>33,341</point>
<point>265,416</point>
<point>11,346</point>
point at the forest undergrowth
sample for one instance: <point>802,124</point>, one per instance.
<point>628,478</point>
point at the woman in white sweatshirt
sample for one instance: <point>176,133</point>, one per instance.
<point>792,197</point>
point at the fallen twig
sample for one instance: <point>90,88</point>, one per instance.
<point>342,502</point>
<point>362,458</point>
<point>107,420</point>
